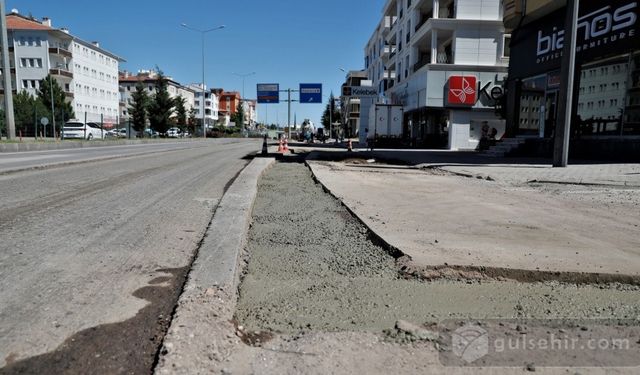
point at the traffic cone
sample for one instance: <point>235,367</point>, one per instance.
<point>280,148</point>
<point>265,148</point>
<point>286,146</point>
<point>349,146</point>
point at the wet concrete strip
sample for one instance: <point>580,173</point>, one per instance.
<point>312,267</point>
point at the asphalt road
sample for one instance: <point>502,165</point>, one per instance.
<point>15,161</point>
<point>94,244</point>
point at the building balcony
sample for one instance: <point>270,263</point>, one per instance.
<point>61,73</point>
<point>388,51</point>
<point>60,52</point>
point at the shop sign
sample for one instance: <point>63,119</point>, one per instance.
<point>463,90</point>
<point>467,90</point>
<point>604,29</point>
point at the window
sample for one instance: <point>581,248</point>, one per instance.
<point>506,46</point>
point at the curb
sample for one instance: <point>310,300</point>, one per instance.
<point>70,145</point>
<point>202,333</point>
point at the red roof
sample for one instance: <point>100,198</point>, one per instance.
<point>16,22</point>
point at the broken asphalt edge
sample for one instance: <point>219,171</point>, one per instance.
<point>409,269</point>
<point>202,333</point>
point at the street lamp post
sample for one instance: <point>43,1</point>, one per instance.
<point>202,33</point>
<point>243,76</point>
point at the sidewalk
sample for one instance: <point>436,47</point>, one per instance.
<point>441,219</point>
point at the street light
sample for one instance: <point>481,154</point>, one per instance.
<point>243,76</point>
<point>202,33</point>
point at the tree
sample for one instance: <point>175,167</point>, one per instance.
<point>181,111</point>
<point>238,117</point>
<point>335,113</point>
<point>28,110</point>
<point>63,109</point>
<point>193,121</point>
<point>161,105</point>
<point>138,108</point>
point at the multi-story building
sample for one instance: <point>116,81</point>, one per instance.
<point>149,79</point>
<point>87,73</point>
<point>229,103</point>
<point>445,62</point>
<point>250,112</point>
<point>352,106</point>
<point>606,108</point>
<point>209,105</point>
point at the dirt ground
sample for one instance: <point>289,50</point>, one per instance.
<point>320,295</point>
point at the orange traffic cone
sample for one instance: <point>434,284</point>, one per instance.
<point>286,146</point>
<point>280,148</point>
<point>349,146</point>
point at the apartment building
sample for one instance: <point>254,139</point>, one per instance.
<point>210,104</point>
<point>354,108</point>
<point>250,112</point>
<point>229,102</point>
<point>606,108</point>
<point>87,73</point>
<point>149,79</point>
<point>445,61</point>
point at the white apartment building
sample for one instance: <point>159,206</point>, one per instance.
<point>442,60</point>
<point>250,112</point>
<point>354,108</point>
<point>210,105</point>
<point>148,78</point>
<point>87,73</point>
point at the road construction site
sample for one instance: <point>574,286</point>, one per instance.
<point>319,287</point>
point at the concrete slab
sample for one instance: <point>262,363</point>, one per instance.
<point>202,320</point>
<point>444,220</point>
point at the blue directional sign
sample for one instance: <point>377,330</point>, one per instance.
<point>268,93</point>
<point>310,93</point>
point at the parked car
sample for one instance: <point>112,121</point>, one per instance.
<point>148,133</point>
<point>174,133</point>
<point>78,130</point>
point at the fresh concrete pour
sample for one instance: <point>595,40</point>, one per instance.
<point>312,267</point>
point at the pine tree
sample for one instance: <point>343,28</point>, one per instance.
<point>28,110</point>
<point>63,109</point>
<point>335,113</point>
<point>161,106</point>
<point>138,109</point>
<point>238,117</point>
<point>181,111</point>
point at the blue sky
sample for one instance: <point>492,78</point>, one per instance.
<point>283,41</point>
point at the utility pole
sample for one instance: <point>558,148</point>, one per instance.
<point>6,75</point>
<point>567,76</point>
<point>289,100</point>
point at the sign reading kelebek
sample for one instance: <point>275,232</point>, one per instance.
<point>359,91</point>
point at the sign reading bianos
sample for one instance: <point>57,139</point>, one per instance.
<point>268,93</point>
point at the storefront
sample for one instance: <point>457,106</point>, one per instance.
<point>607,86</point>
<point>449,109</point>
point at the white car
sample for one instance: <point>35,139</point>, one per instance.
<point>174,133</point>
<point>78,130</point>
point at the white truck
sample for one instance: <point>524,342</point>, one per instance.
<point>385,121</point>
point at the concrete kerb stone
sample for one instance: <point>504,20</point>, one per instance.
<point>202,334</point>
<point>67,145</point>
